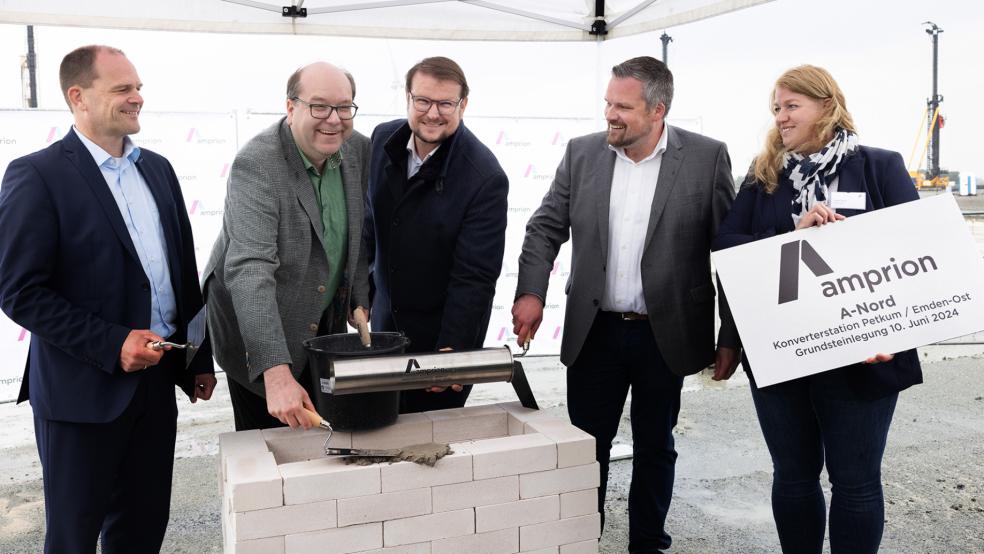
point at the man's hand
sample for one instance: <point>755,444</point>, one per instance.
<point>527,314</point>
<point>137,354</point>
<point>878,358</point>
<point>286,399</point>
<point>204,385</point>
<point>725,362</point>
<point>455,388</point>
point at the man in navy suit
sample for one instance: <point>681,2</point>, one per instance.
<point>97,262</point>
<point>437,224</point>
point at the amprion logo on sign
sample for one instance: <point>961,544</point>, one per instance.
<point>792,253</point>
<point>789,259</point>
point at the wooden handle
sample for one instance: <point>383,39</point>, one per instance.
<point>363,326</point>
<point>315,419</point>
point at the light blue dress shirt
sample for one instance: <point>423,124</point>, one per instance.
<point>143,222</point>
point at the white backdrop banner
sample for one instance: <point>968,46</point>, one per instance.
<point>825,297</point>
<point>202,146</point>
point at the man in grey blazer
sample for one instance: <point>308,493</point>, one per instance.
<point>642,203</point>
<point>288,264</point>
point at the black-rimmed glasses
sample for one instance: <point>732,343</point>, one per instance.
<point>444,107</point>
<point>323,111</point>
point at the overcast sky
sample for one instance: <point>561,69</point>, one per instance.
<point>724,70</point>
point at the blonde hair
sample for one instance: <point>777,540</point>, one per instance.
<point>816,83</point>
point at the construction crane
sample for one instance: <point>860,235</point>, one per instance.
<point>932,177</point>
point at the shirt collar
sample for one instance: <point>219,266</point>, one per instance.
<point>412,151</point>
<point>658,151</point>
<point>310,166</point>
<point>130,150</point>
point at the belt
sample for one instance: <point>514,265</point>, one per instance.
<point>628,316</point>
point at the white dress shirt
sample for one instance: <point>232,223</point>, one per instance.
<point>413,160</point>
<point>633,187</point>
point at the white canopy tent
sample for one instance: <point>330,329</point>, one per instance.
<point>502,20</point>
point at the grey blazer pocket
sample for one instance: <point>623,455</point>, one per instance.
<point>703,293</point>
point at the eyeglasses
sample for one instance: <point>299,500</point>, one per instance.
<point>323,111</point>
<point>444,107</point>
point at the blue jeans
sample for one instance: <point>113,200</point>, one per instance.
<point>813,420</point>
<point>618,355</point>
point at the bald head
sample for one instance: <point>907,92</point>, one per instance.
<point>295,84</point>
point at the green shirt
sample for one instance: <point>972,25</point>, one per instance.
<point>330,193</point>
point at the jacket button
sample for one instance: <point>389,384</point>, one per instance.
<point>321,288</point>
<point>595,301</point>
<point>396,221</point>
<point>145,286</point>
<point>396,311</point>
<point>313,327</point>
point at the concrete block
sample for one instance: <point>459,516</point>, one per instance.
<point>297,445</point>
<point>409,429</point>
<point>518,416</point>
<point>548,550</point>
<point>468,423</point>
<point>583,547</point>
<point>505,541</point>
<point>556,533</point>
<point>453,468</point>
<point>429,528</point>
<point>327,479</point>
<point>254,482</point>
<point>382,507</point>
<point>418,548</point>
<point>516,514</point>
<point>580,503</point>
<point>568,479</point>
<point>237,444</point>
<point>510,455</point>
<point>574,446</point>
<point>356,538</point>
<point>284,520</point>
<point>475,493</point>
<point>269,545</point>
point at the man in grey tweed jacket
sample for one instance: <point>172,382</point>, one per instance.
<point>288,264</point>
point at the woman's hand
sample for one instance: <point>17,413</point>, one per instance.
<point>819,214</point>
<point>879,358</point>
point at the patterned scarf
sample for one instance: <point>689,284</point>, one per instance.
<point>811,175</point>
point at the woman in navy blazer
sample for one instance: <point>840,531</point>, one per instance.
<point>840,417</point>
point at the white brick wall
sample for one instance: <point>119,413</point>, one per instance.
<point>468,423</point>
<point>556,533</point>
<point>336,541</point>
<point>428,528</point>
<point>518,481</point>
<point>476,493</point>
<point>327,479</point>
<point>515,514</point>
<point>556,481</point>
<point>382,507</point>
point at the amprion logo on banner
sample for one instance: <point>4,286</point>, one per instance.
<point>792,253</point>
<point>789,259</point>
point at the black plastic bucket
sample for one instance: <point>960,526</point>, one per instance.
<point>352,412</point>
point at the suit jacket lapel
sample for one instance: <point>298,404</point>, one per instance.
<point>353,203</point>
<point>301,182</point>
<point>605,171</point>
<point>668,169</point>
<point>79,156</point>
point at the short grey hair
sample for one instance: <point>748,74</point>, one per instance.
<point>656,79</point>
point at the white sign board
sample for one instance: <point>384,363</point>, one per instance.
<point>826,297</point>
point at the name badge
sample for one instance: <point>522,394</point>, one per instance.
<point>847,200</point>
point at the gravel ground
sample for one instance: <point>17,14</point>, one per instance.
<point>934,485</point>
